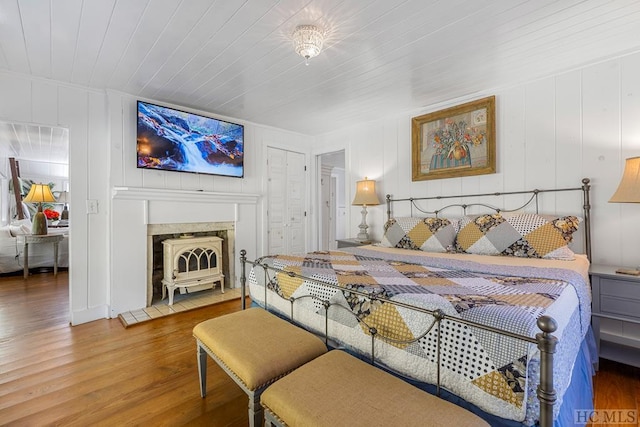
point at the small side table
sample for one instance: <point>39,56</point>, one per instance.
<point>616,314</point>
<point>54,239</point>
<point>349,243</point>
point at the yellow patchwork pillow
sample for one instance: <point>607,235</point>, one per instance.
<point>522,235</point>
<point>426,234</point>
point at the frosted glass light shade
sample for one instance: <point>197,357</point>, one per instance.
<point>307,41</point>
<point>629,188</point>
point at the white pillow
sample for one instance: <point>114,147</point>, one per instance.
<point>22,226</point>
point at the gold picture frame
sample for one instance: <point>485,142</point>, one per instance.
<point>455,142</point>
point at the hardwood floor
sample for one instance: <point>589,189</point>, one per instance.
<point>100,373</point>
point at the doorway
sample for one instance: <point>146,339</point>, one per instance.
<point>41,155</point>
<point>331,191</point>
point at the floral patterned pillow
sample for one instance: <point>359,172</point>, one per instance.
<point>522,235</point>
<point>426,234</point>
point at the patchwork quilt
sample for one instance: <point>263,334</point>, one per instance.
<point>496,373</point>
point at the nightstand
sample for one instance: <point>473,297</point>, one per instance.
<point>349,243</point>
<point>616,314</point>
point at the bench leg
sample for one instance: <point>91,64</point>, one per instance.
<point>202,370</point>
<point>256,412</point>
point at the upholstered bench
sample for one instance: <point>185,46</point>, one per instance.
<point>339,389</point>
<point>255,348</point>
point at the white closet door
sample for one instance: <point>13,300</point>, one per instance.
<point>286,201</point>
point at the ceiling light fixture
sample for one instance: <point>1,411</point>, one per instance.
<point>307,41</point>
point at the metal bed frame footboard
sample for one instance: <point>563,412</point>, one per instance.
<point>586,205</point>
<point>545,340</point>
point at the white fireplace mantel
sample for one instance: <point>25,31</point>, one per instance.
<point>141,193</point>
<point>133,209</point>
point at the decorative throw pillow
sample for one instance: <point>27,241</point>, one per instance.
<point>426,234</point>
<point>522,235</point>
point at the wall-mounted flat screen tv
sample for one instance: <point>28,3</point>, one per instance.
<point>175,140</point>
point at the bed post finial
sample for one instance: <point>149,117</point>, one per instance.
<point>243,278</point>
<point>586,207</point>
<point>547,346</point>
<point>388,207</point>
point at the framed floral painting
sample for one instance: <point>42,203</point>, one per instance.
<point>458,141</point>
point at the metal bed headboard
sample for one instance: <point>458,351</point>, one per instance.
<point>586,206</point>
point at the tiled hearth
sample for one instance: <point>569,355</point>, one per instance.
<point>182,302</point>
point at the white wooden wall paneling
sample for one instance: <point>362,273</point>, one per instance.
<point>117,145</point>
<point>629,147</point>
<point>44,102</point>
<point>568,140</point>
<point>390,154</point>
<point>16,97</point>
<point>73,105</point>
<point>540,154</point>
<point>601,131</point>
<point>132,176</point>
<point>97,160</point>
<point>371,166</point>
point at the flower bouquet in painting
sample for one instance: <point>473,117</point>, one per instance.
<point>452,144</point>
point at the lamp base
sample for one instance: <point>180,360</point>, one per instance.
<point>363,235</point>
<point>65,213</point>
<point>39,224</point>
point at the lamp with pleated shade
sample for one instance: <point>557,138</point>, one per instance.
<point>63,197</point>
<point>365,196</point>
<point>39,193</point>
<point>629,192</point>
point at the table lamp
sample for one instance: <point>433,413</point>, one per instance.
<point>39,193</point>
<point>63,197</point>
<point>365,196</point>
<point>629,192</point>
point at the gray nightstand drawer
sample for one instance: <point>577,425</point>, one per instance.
<point>620,288</point>
<point>620,306</point>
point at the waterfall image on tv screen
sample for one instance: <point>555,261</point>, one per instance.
<point>175,140</point>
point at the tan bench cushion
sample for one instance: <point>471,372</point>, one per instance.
<point>258,346</point>
<point>339,389</point>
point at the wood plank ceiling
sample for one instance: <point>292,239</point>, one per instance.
<point>235,58</point>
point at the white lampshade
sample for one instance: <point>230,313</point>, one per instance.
<point>366,193</point>
<point>63,197</point>
<point>629,188</point>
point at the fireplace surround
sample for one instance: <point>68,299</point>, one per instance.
<point>138,214</point>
